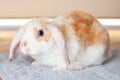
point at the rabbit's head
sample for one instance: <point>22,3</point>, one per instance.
<point>36,37</point>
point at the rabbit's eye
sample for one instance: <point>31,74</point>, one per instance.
<point>40,33</point>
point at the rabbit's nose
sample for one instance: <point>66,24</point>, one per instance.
<point>25,45</point>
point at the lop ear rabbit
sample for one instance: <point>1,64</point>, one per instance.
<point>74,41</point>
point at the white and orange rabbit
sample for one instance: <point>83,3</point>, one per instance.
<point>72,41</point>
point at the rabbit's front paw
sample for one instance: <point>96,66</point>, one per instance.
<point>76,66</point>
<point>35,64</point>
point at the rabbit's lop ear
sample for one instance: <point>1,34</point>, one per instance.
<point>15,45</point>
<point>60,41</point>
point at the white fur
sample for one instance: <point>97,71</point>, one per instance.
<point>73,49</point>
<point>58,21</point>
<point>94,55</point>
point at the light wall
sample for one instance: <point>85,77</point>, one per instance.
<point>51,8</point>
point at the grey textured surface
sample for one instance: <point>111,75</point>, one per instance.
<point>21,70</point>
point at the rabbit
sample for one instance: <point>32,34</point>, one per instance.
<point>72,41</point>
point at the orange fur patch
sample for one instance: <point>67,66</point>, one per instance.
<point>82,25</point>
<point>65,32</point>
<point>85,31</point>
<point>44,21</point>
<point>24,43</point>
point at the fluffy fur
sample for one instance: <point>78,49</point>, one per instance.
<point>71,41</point>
